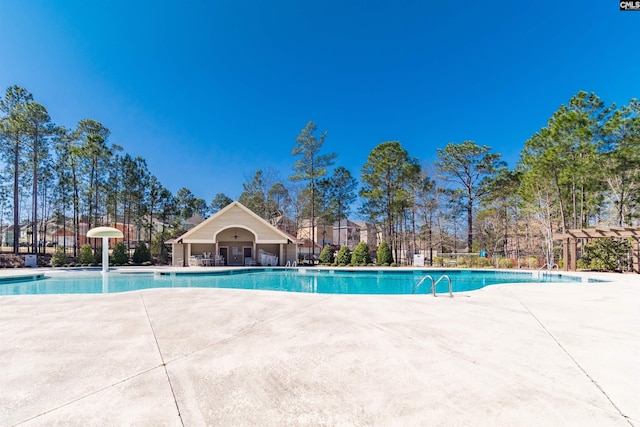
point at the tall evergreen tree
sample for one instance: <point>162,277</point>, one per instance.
<point>470,166</point>
<point>13,134</point>
<point>342,194</point>
<point>65,172</point>
<point>385,186</point>
<point>184,203</point>
<point>501,207</point>
<point>426,201</point>
<point>167,210</point>
<point>219,202</point>
<point>39,128</point>
<point>564,156</point>
<point>278,200</point>
<point>254,195</point>
<point>154,193</point>
<point>620,156</point>
<point>311,165</point>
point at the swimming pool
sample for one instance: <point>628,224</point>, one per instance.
<point>313,280</point>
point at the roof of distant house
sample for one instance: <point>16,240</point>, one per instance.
<point>194,220</point>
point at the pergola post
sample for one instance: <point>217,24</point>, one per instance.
<point>635,256</point>
<point>573,253</point>
<point>565,254</point>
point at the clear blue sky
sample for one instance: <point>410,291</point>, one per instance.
<point>211,91</point>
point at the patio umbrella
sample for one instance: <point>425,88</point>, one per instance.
<point>105,233</point>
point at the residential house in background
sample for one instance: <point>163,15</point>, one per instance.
<point>7,235</point>
<point>193,221</point>
<point>322,236</point>
<point>341,233</point>
<point>63,237</point>
<point>368,233</point>
<point>285,224</point>
<point>67,237</point>
<point>350,233</point>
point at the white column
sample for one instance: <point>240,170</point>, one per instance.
<point>105,254</point>
<point>105,283</point>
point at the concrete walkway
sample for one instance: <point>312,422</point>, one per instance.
<point>510,355</point>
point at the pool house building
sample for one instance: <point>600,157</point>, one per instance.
<point>234,236</point>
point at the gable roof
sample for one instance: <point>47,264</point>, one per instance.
<point>235,215</point>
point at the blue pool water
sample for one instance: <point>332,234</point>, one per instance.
<point>274,279</point>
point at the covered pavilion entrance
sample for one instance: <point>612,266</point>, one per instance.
<point>237,246</point>
<point>571,237</point>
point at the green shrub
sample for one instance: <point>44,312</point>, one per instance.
<point>97,256</point>
<point>141,254</point>
<point>461,262</point>
<point>438,261</point>
<point>361,254</point>
<point>344,256</point>
<point>480,262</point>
<point>384,254</point>
<point>59,258</point>
<point>606,254</point>
<point>505,263</point>
<point>327,255</point>
<point>86,254</point>
<point>532,262</point>
<point>119,254</point>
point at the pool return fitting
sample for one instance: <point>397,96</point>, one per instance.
<point>434,284</point>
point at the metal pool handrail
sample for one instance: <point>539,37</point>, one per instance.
<point>444,276</point>
<point>434,284</point>
<point>413,291</point>
<point>549,267</point>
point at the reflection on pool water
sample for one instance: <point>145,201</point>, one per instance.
<point>366,281</point>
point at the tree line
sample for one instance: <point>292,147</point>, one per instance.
<point>75,176</point>
<point>582,169</point>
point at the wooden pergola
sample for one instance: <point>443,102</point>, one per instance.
<point>570,243</point>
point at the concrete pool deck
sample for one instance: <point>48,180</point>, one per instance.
<point>506,355</point>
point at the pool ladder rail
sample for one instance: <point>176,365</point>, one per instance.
<point>434,284</point>
<point>548,266</point>
<point>291,264</point>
